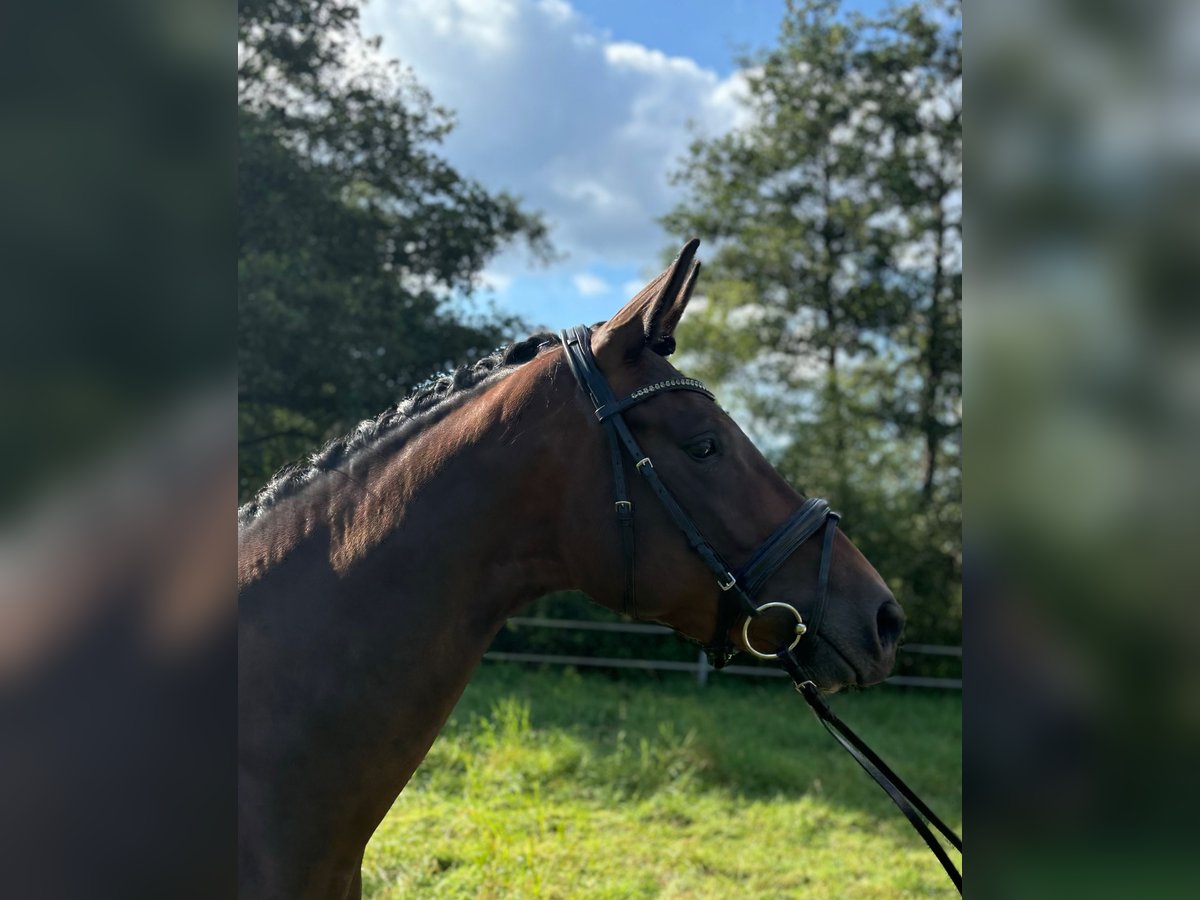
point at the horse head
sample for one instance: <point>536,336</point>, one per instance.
<point>736,501</point>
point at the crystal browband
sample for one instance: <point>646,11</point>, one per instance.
<point>669,383</point>
<point>649,390</point>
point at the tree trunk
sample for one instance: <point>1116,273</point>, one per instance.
<point>833,318</point>
<point>934,370</point>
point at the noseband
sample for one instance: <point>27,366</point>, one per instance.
<point>739,587</point>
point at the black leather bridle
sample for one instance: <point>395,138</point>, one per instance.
<point>739,587</point>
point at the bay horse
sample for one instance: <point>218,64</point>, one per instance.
<point>373,580</point>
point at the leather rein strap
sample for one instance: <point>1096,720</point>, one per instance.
<point>744,583</point>
<point>919,815</point>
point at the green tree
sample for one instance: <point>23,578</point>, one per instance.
<point>798,255</point>
<point>355,237</point>
<point>914,56</point>
<point>833,297</point>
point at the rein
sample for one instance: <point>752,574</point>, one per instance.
<point>740,587</point>
<point>919,815</point>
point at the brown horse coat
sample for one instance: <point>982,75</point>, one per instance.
<point>370,593</point>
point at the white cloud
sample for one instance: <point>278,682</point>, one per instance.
<point>630,289</point>
<point>557,10</point>
<point>495,281</point>
<point>590,285</point>
<point>626,54</point>
<point>583,128</point>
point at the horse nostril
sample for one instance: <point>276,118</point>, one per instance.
<point>889,622</point>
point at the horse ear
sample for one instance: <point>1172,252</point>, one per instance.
<point>649,319</point>
<point>664,344</point>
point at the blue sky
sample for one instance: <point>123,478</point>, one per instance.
<point>713,33</point>
<point>582,108</point>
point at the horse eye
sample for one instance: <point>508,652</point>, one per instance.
<point>703,448</point>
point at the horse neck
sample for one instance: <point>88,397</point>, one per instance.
<point>433,541</point>
<point>378,596</point>
<point>463,519</point>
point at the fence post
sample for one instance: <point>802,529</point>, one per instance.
<point>702,669</point>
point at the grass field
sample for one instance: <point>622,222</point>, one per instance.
<point>554,783</point>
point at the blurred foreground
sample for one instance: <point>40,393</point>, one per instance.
<point>1082,362</point>
<point>118,674</point>
<point>118,694</point>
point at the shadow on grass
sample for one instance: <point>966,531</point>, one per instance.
<point>629,737</point>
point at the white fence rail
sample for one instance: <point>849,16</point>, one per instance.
<point>700,668</point>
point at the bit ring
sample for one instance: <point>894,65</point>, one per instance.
<point>801,628</point>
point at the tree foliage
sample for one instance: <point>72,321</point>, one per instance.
<point>354,234</point>
<point>834,296</point>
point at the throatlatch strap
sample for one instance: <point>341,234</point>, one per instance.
<point>578,345</point>
<point>906,800</point>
